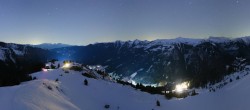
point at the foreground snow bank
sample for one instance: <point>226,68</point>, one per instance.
<point>34,95</point>
<point>57,90</point>
<point>99,92</point>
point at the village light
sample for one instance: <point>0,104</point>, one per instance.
<point>44,69</point>
<point>66,65</point>
<point>181,87</point>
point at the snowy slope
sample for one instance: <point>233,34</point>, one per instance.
<point>70,93</point>
<point>99,92</point>
<point>2,55</point>
<point>9,51</point>
<point>34,95</point>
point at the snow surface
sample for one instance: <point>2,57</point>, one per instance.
<point>2,55</point>
<point>70,93</point>
<point>14,47</point>
<point>18,52</point>
<point>9,50</point>
<point>34,95</point>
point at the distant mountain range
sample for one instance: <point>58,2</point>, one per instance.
<point>51,45</point>
<point>166,60</point>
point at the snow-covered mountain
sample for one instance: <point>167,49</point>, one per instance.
<point>12,53</point>
<point>199,60</point>
<point>57,89</point>
<point>8,52</point>
<point>51,45</point>
<point>16,61</point>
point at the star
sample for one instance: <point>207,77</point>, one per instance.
<point>237,1</point>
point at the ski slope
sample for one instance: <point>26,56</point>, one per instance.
<point>70,93</point>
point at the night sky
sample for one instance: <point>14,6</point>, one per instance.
<point>81,22</point>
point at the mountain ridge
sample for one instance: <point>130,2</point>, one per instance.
<point>164,58</point>
<point>152,61</point>
<point>51,45</point>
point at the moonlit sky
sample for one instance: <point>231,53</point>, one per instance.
<point>81,22</point>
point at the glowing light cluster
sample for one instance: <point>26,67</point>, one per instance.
<point>181,87</point>
<point>66,65</point>
<point>45,70</point>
